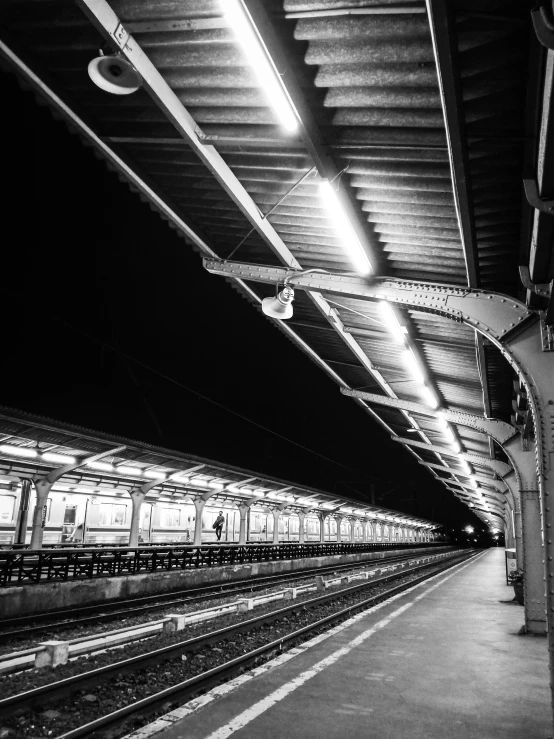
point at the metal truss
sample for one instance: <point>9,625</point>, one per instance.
<point>495,465</point>
<point>510,326</point>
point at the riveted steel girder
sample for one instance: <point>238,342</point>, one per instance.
<point>495,316</point>
<point>508,324</point>
<point>496,484</point>
<point>496,465</point>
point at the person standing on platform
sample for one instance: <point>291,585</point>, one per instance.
<point>218,525</point>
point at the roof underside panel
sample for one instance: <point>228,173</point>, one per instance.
<point>370,81</point>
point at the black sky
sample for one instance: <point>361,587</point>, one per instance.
<point>92,277</point>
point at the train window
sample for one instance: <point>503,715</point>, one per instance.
<point>112,514</point>
<point>170,517</point>
<point>7,504</point>
<point>70,514</point>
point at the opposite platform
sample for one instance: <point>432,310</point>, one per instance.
<point>441,660</point>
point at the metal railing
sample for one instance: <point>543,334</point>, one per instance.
<point>48,565</point>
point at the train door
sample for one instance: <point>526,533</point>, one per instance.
<point>69,522</point>
<point>145,530</point>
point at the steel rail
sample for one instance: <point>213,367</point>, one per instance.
<point>104,612</point>
<point>206,680</point>
<point>63,688</point>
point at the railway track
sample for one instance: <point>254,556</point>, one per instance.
<point>314,610</point>
<point>29,626</point>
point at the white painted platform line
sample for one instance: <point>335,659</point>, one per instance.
<point>257,709</point>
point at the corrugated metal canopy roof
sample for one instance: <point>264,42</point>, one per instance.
<point>383,87</point>
<point>180,474</point>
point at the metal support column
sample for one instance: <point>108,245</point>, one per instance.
<point>301,526</point>
<point>23,514</point>
<point>533,548</point>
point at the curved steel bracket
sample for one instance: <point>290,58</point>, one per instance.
<point>500,431</point>
<point>545,205</point>
<point>543,25</point>
<point>543,289</point>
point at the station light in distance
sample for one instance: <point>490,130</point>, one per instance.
<point>18,451</point>
<point>261,62</point>
<point>101,466</point>
<point>56,457</point>
<point>126,470</point>
<point>155,475</point>
<point>344,229</point>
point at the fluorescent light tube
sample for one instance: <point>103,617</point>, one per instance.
<point>344,229</point>
<point>430,397</point>
<point>154,474</point>
<point>465,466</point>
<point>391,321</point>
<point>18,451</point>
<point>198,482</point>
<point>61,458</point>
<point>413,365</point>
<point>180,478</point>
<point>125,470</point>
<point>103,466</point>
<point>450,435</point>
<point>474,483</point>
<point>260,61</point>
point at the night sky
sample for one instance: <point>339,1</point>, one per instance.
<point>109,321</point>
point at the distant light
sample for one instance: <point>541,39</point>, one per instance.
<point>181,478</point>
<point>18,451</point>
<point>198,482</point>
<point>344,229</point>
<point>390,320</point>
<point>261,62</point>
<point>155,474</point>
<point>126,470</point>
<point>413,365</point>
<point>103,466</point>
<point>61,458</point>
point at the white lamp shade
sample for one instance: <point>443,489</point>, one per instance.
<point>114,74</point>
<point>279,306</point>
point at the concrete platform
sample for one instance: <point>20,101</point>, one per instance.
<point>441,661</point>
<point>28,598</point>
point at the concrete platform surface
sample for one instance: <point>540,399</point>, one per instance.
<point>441,661</point>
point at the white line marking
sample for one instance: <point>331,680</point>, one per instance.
<point>244,718</point>
<point>194,705</point>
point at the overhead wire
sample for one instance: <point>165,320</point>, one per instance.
<point>172,380</point>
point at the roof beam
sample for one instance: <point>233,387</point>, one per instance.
<point>496,484</point>
<point>110,26</point>
<point>445,47</point>
<point>498,467</point>
<point>309,128</point>
<point>499,430</point>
